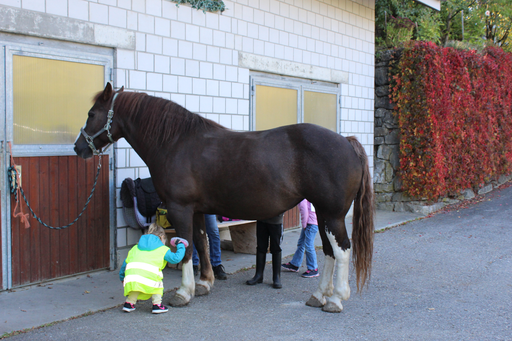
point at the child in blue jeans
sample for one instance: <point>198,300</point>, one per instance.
<point>306,242</point>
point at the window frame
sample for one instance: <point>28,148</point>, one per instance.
<point>299,84</point>
<point>52,53</point>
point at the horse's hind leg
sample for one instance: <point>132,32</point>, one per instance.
<point>336,246</point>
<point>206,278</point>
<point>340,243</point>
<point>325,288</point>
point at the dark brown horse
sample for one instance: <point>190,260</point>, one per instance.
<point>199,167</point>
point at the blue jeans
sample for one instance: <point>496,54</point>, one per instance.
<point>306,243</point>
<point>212,231</point>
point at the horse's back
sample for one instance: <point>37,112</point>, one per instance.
<point>312,155</point>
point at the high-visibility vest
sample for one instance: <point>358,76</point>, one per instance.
<point>144,272</point>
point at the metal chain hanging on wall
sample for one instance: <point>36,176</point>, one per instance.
<point>12,173</point>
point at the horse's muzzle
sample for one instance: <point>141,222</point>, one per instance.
<point>84,152</point>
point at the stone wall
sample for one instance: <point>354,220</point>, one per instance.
<point>386,138</point>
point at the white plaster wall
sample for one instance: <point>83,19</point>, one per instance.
<point>192,57</point>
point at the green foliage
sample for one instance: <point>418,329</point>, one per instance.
<point>429,29</point>
<point>205,5</point>
<point>425,19</point>
<point>484,22</point>
<point>490,23</point>
<point>451,19</point>
<point>464,45</point>
<point>398,31</point>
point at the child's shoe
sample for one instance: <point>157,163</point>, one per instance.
<point>128,307</point>
<point>159,309</point>
<point>310,273</point>
<point>290,267</point>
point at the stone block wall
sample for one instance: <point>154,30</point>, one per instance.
<point>386,138</point>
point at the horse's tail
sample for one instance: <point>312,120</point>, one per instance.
<point>362,220</point>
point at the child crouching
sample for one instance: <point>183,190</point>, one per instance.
<point>141,272</point>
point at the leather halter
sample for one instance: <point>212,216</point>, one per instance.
<point>90,139</point>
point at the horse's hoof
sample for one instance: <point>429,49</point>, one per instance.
<point>201,290</point>
<point>314,302</point>
<point>332,308</point>
<point>178,301</point>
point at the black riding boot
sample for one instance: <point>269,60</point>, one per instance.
<point>276,270</point>
<point>260,266</point>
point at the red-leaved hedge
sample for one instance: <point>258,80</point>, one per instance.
<point>455,117</point>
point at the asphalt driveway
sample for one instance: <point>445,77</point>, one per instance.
<point>446,277</point>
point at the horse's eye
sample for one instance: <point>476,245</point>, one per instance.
<point>91,114</point>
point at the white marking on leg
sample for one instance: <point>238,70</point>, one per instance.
<point>205,284</point>
<point>341,286</point>
<point>325,288</point>
<point>187,289</point>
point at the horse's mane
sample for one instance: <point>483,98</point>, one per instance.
<point>158,119</point>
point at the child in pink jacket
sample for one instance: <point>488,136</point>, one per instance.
<point>306,242</point>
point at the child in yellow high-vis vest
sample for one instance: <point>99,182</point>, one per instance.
<point>141,272</point>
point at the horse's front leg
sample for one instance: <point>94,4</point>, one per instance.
<point>207,278</point>
<point>181,219</point>
<point>187,289</point>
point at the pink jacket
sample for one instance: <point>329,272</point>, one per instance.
<point>306,214</point>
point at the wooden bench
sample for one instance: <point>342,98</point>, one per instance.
<point>238,236</point>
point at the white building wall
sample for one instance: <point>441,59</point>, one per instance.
<point>192,58</point>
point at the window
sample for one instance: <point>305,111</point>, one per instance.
<point>49,90</point>
<point>321,108</point>
<point>51,98</point>
<point>278,101</point>
<point>276,107</point>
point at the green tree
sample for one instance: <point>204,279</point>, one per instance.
<point>478,22</point>
<point>452,14</point>
<point>491,22</point>
<point>426,20</point>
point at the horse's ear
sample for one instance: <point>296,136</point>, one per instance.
<point>122,89</point>
<point>107,93</point>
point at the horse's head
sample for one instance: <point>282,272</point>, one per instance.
<point>98,131</point>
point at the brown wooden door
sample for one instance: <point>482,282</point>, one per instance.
<point>57,188</point>
<point>291,218</point>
